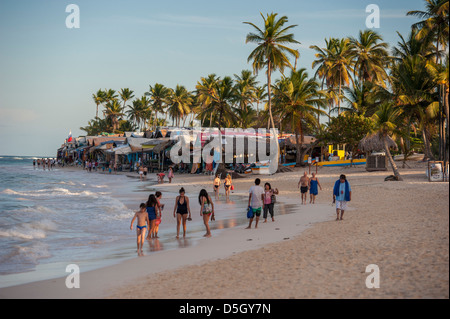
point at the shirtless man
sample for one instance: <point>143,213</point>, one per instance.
<point>303,184</point>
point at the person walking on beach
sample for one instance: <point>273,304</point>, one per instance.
<point>303,184</point>
<point>268,201</point>
<point>170,174</point>
<point>141,173</point>
<point>152,210</point>
<point>313,188</point>
<point>227,185</point>
<point>206,210</point>
<point>255,200</point>
<point>342,193</point>
<point>216,185</point>
<point>160,206</point>
<point>142,223</point>
<point>182,210</point>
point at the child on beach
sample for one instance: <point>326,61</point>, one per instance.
<point>342,193</point>
<point>206,210</point>
<point>141,227</point>
<point>255,200</point>
<point>152,210</point>
<point>313,188</point>
<point>182,210</point>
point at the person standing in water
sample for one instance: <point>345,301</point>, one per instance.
<point>160,208</point>
<point>152,210</point>
<point>206,210</point>
<point>141,227</point>
<point>182,210</point>
<point>255,201</point>
<point>313,188</point>
<point>216,185</point>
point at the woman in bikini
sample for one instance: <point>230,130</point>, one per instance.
<point>227,186</point>
<point>216,186</point>
<point>182,210</point>
<point>206,210</point>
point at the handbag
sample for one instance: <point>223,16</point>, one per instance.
<point>273,198</point>
<point>250,213</point>
<point>232,187</point>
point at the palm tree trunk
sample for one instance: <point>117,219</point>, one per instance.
<point>427,146</point>
<point>391,160</point>
<point>269,92</point>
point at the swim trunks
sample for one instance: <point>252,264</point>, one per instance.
<point>303,189</point>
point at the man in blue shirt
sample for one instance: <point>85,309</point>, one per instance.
<point>342,193</point>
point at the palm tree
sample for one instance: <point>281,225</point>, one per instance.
<point>99,98</point>
<point>260,95</point>
<point>245,88</point>
<point>370,56</point>
<point>180,103</point>
<point>385,120</point>
<point>113,112</point>
<point>298,101</point>
<point>271,51</point>
<point>205,89</point>
<point>335,63</point>
<point>224,95</point>
<point>159,97</point>
<point>435,23</point>
<point>126,95</point>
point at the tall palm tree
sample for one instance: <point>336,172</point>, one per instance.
<point>298,101</point>
<point>370,57</point>
<point>159,97</point>
<point>224,96</point>
<point>99,98</point>
<point>385,122</point>
<point>272,51</point>
<point>335,64</point>
<point>260,95</point>
<point>180,103</point>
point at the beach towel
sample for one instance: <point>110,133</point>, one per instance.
<point>347,189</point>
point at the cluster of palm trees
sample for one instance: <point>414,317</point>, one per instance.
<point>404,90</point>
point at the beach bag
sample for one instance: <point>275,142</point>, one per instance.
<point>232,187</point>
<point>250,213</point>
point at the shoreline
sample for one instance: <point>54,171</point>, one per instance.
<point>324,250</point>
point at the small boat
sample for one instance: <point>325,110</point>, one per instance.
<point>289,164</point>
<point>260,168</point>
<point>361,161</point>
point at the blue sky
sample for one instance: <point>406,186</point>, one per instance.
<point>48,72</point>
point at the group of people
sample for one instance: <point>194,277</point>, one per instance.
<point>49,162</point>
<point>227,184</point>
<point>309,183</point>
<point>260,200</point>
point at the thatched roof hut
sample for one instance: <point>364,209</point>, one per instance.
<point>374,142</point>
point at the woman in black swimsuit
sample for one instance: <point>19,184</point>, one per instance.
<point>182,210</point>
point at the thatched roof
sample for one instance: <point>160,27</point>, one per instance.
<point>373,142</point>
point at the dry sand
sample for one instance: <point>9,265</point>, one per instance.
<point>402,227</point>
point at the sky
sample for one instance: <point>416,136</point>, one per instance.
<point>48,72</point>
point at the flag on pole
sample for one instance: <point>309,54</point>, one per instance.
<point>70,137</point>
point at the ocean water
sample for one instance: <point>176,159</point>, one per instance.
<point>50,219</point>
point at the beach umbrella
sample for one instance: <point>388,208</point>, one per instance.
<point>374,142</point>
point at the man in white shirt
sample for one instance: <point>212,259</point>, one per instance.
<point>255,200</point>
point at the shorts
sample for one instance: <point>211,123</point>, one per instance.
<point>256,211</point>
<point>303,189</point>
<point>341,204</point>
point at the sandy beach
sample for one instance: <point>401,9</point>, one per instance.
<point>402,227</point>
